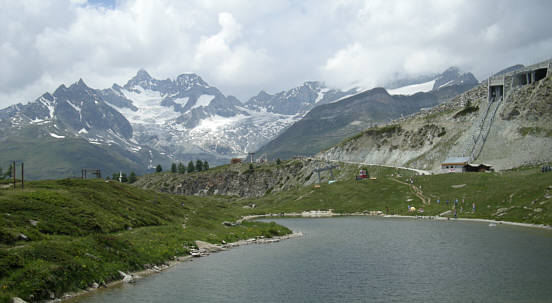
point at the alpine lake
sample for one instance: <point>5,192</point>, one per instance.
<point>362,259</point>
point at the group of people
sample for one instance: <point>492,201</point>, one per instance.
<point>455,206</point>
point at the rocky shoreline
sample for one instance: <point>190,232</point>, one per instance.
<point>204,249</point>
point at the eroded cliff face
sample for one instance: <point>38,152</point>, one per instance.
<point>237,179</point>
<point>521,132</point>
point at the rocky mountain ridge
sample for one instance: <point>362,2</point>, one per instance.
<point>160,121</point>
<point>330,123</point>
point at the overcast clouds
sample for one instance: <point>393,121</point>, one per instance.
<point>242,47</point>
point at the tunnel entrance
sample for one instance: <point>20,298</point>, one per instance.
<point>496,91</point>
<point>530,76</point>
<point>540,73</point>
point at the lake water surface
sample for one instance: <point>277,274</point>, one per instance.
<point>363,259</point>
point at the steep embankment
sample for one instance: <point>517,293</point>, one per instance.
<point>521,132</point>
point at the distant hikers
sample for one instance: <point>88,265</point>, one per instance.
<point>473,207</point>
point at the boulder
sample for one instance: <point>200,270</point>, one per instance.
<point>126,278</point>
<point>201,245</point>
<point>18,300</point>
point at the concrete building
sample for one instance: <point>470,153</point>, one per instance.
<point>503,85</point>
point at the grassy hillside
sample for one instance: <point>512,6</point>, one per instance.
<point>521,195</point>
<point>64,235</point>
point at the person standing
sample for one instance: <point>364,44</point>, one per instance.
<point>473,207</point>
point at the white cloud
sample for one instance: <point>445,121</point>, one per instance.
<point>243,46</point>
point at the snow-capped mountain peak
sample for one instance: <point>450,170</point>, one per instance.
<point>296,101</point>
<point>188,81</point>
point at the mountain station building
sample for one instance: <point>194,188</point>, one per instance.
<point>461,165</point>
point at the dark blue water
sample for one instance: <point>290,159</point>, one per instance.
<point>364,259</point>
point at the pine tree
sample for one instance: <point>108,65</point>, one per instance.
<point>158,169</point>
<point>181,168</point>
<point>278,161</point>
<point>205,165</point>
<point>173,168</point>
<point>132,177</point>
<point>124,178</point>
<point>191,167</point>
<point>199,165</point>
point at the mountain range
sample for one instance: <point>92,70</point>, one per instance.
<point>148,121</point>
<point>329,124</point>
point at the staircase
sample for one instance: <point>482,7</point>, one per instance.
<point>474,146</point>
<point>468,149</point>
<point>485,130</point>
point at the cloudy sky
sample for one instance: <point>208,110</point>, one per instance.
<point>244,46</point>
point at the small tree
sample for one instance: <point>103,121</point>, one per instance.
<point>1,174</point>
<point>124,178</point>
<point>181,168</point>
<point>158,169</point>
<point>468,104</point>
<point>191,167</point>
<point>199,165</point>
<point>278,161</point>
<point>251,167</point>
<point>132,177</point>
<point>173,168</point>
<point>205,165</point>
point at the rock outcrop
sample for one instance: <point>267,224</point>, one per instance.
<point>238,179</point>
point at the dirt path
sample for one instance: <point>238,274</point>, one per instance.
<point>416,191</point>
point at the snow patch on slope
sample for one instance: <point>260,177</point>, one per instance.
<point>412,89</point>
<point>57,136</point>
<point>321,94</point>
<point>150,110</point>
<point>203,100</point>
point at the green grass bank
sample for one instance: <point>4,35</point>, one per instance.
<point>63,235</point>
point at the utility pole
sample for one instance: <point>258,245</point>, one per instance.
<point>14,170</point>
